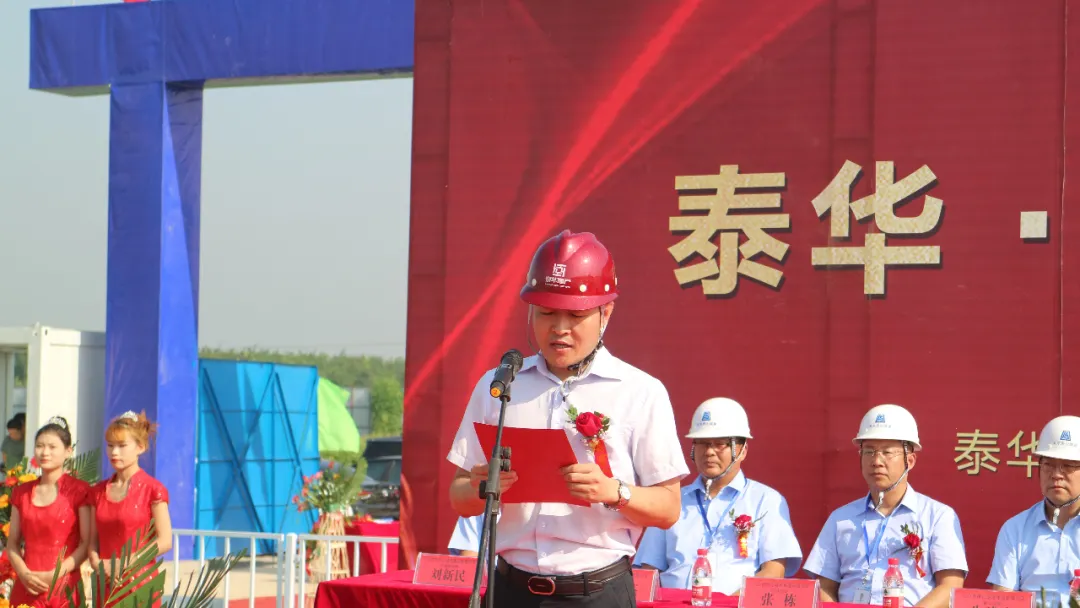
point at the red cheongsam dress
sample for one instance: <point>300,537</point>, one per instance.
<point>47,530</point>
<point>118,522</point>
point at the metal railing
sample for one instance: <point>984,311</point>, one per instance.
<point>289,553</point>
<point>302,539</point>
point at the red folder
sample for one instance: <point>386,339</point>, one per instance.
<point>536,455</point>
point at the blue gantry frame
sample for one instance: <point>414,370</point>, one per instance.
<point>155,59</point>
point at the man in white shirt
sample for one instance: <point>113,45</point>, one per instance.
<point>580,554</point>
<point>720,432</point>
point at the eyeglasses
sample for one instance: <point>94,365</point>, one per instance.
<point>1050,465</point>
<point>718,445</point>
<point>889,454</point>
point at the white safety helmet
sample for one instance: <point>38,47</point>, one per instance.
<point>719,417</point>
<point>890,422</point>
<point>1060,438</point>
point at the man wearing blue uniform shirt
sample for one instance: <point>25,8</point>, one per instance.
<point>719,430</point>
<point>465,540</point>
<point>852,552</point>
<point>1040,547</point>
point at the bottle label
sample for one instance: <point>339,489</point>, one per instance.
<point>893,598</point>
<point>701,589</point>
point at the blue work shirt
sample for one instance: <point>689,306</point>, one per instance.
<point>1031,555</point>
<point>840,553</point>
<point>673,551</point>
<point>466,536</point>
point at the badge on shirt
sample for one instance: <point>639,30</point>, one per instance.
<point>862,593</point>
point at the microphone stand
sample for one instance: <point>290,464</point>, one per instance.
<point>491,490</point>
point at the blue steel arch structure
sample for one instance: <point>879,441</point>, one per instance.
<point>155,59</point>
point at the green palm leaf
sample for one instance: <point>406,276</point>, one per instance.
<point>85,466</point>
<point>141,585</point>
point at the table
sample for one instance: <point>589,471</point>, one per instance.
<point>395,590</point>
<point>370,552</point>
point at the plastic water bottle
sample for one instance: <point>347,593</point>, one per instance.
<point>701,585</point>
<point>1074,586</point>
<point>893,585</point>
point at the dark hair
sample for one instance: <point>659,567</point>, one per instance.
<point>17,422</point>
<point>58,425</point>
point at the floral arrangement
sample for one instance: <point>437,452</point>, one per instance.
<point>24,472</point>
<point>330,490</point>
<point>592,426</point>
<point>913,541</point>
<point>743,525</point>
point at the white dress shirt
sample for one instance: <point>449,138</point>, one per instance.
<point>642,445</point>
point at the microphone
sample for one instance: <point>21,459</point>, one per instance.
<point>505,373</point>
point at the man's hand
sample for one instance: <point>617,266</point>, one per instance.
<point>588,482</point>
<point>480,473</point>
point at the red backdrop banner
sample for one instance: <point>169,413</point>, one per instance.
<point>878,163</point>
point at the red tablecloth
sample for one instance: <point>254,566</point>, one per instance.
<point>369,552</point>
<point>395,590</point>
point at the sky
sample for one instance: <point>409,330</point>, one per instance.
<point>305,208</point>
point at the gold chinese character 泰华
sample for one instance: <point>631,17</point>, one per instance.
<point>1017,444</point>
<point>977,452</point>
<point>875,255</point>
<point>719,270</point>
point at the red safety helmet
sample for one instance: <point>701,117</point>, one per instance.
<point>571,272</point>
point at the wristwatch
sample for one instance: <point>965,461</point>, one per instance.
<point>624,497</point>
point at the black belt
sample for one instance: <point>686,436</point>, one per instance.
<point>570,584</point>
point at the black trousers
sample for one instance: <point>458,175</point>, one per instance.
<point>617,593</point>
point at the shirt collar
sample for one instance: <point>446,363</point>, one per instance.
<point>604,365</point>
<point>911,500</point>
<point>737,485</point>
<point>1040,513</point>
<point>1040,516</point>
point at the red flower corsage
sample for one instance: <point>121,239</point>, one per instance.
<point>743,524</point>
<point>913,540</point>
<point>592,426</point>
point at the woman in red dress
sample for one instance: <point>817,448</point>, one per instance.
<point>49,515</point>
<point>124,504</point>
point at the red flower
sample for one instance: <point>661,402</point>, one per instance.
<point>912,541</point>
<point>589,424</point>
<point>34,462</point>
<point>11,481</point>
<point>743,521</point>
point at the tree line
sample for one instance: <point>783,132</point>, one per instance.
<point>383,377</point>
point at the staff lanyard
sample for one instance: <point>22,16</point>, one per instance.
<point>877,538</point>
<point>705,514</point>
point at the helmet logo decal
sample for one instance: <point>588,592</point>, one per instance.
<point>1066,436</point>
<point>706,417</point>
<point>557,278</point>
<point>880,419</point>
